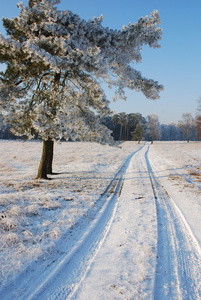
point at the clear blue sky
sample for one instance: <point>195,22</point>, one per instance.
<point>176,65</point>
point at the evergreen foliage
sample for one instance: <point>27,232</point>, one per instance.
<point>138,133</point>
<point>55,62</point>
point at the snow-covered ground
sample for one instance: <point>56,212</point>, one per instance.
<point>35,213</point>
<point>99,231</point>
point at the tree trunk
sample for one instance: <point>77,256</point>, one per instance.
<point>120,133</point>
<point>50,154</point>
<point>128,129</point>
<point>45,166</point>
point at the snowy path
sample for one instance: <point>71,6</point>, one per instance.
<point>178,270</point>
<point>124,268</point>
<point>136,271</point>
<point>139,245</point>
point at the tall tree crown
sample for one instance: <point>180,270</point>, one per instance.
<point>55,61</point>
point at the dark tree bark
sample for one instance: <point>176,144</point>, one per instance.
<point>120,133</point>
<point>45,166</point>
<point>50,150</point>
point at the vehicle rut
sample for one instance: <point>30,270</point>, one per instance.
<point>64,281</point>
<point>178,263</point>
<point>69,271</point>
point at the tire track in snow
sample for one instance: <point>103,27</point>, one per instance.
<point>65,279</point>
<point>66,276</point>
<point>178,265</point>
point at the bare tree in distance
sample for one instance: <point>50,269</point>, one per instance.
<point>198,120</point>
<point>153,127</point>
<point>199,106</point>
<point>198,126</point>
<point>186,125</point>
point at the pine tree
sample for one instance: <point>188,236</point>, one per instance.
<point>137,134</point>
<point>54,64</point>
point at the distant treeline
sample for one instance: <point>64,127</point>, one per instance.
<point>124,127</point>
<point>127,127</point>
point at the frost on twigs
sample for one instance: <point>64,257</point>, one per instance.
<point>55,62</point>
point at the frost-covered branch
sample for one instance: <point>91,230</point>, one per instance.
<point>55,61</point>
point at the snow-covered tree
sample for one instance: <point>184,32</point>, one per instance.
<point>55,63</point>
<point>170,132</point>
<point>153,127</point>
<point>186,125</point>
<point>199,106</point>
<point>138,133</point>
<point>198,120</point>
<point>198,126</point>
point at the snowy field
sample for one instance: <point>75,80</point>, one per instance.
<point>99,231</point>
<point>35,213</point>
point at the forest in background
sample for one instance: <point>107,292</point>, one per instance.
<point>133,126</point>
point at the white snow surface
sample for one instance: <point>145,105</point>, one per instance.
<point>114,223</point>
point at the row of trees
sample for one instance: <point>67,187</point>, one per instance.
<point>55,63</point>
<point>123,125</point>
<point>198,119</point>
<point>134,126</point>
